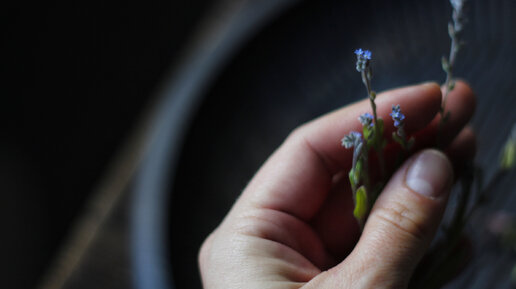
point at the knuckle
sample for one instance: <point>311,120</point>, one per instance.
<point>400,217</point>
<point>297,133</point>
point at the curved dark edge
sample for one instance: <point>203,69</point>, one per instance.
<point>178,103</point>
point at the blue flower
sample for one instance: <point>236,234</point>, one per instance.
<point>363,58</point>
<point>367,55</point>
<point>366,119</point>
<point>397,116</point>
<point>352,139</point>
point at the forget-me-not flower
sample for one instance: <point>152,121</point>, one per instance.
<point>363,58</point>
<point>366,119</point>
<point>352,139</point>
<point>397,116</point>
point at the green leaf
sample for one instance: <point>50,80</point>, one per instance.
<point>352,179</point>
<point>371,142</point>
<point>361,205</point>
<point>368,132</point>
<point>355,174</point>
<point>508,159</point>
<point>358,171</point>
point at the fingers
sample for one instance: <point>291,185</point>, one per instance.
<point>419,103</point>
<point>400,227</point>
<point>298,176</point>
<point>460,107</point>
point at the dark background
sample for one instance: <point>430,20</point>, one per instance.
<point>76,76</point>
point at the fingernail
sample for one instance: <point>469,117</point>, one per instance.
<point>430,174</point>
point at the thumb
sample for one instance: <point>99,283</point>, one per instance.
<point>400,227</point>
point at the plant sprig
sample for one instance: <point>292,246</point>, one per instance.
<point>455,28</point>
<point>371,138</point>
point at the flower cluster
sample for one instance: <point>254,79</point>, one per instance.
<point>397,116</point>
<point>366,119</point>
<point>353,139</point>
<point>400,136</point>
<point>363,58</point>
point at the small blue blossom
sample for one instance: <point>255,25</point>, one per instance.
<point>367,55</point>
<point>366,119</point>
<point>457,16</point>
<point>397,116</point>
<point>352,139</point>
<point>363,58</point>
<point>356,134</point>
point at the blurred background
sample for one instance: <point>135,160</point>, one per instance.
<point>76,78</point>
<point>88,84</point>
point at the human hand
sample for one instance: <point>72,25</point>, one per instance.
<point>293,225</point>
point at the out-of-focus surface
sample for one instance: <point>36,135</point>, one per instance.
<point>75,77</point>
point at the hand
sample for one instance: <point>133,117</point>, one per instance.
<point>293,226</point>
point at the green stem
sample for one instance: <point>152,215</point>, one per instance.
<point>448,85</point>
<point>377,145</point>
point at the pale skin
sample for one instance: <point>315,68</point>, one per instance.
<point>292,227</point>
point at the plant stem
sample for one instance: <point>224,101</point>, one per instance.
<point>449,74</point>
<point>453,30</point>
<point>366,79</point>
